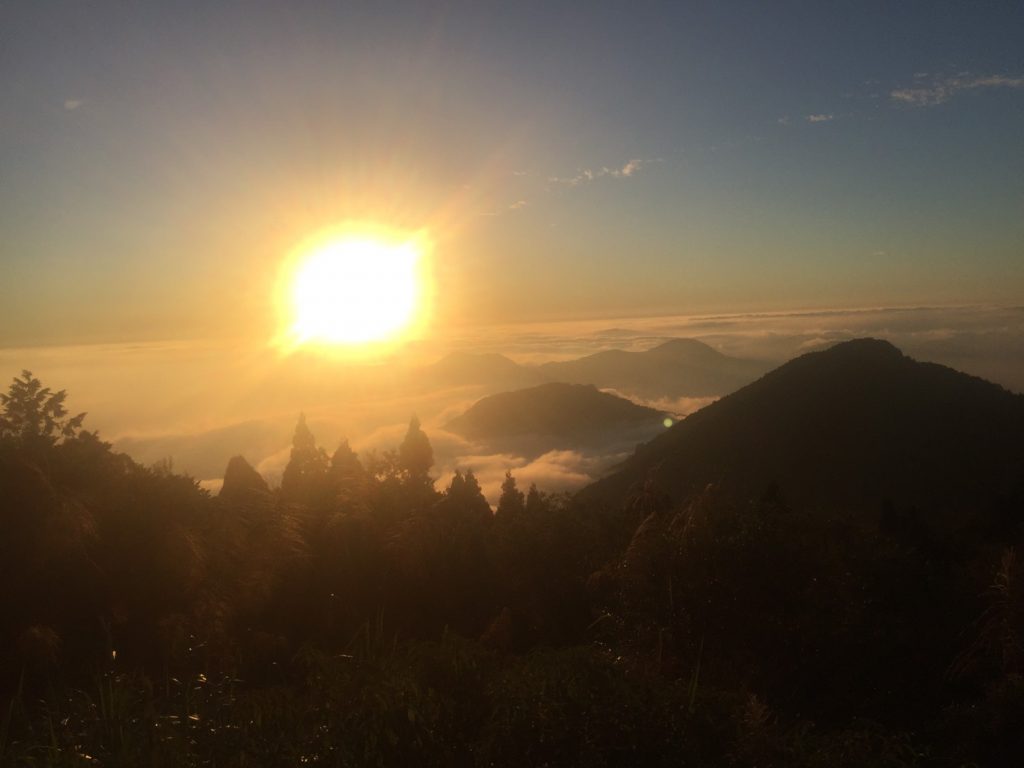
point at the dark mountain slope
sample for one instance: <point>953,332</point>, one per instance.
<point>849,427</point>
<point>567,412</point>
<point>677,368</point>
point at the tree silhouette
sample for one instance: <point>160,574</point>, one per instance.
<point>345,466</point>
<point>465,494</point>
<point>307,468</point>
<point>536,504</point>
<point>33,413</point>
<point>241,480</point>
<point>512,503</point>
<point>347,476</point>
<point>415,455</point>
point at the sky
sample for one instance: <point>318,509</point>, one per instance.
<point>158,161</point>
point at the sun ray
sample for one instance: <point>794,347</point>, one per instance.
<point>354,289</point>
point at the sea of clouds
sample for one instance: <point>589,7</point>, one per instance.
<point>198,403</point>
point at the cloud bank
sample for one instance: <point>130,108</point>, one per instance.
<point>201,403</point>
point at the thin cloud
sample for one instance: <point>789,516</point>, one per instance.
<point>820,118</point>
<point>627,170</point>
<point>72,104</point>
<point>518,205</point>
<point>940,91</point>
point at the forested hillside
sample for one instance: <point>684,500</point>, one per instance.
<point>360,615</point>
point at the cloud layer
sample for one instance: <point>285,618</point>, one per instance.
<point>939,91</point>
<point>199,404</point>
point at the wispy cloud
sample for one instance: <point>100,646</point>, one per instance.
<point>72,104</point>
<point>818,117</point>
<point>941,90</point>
<point>626,170</point>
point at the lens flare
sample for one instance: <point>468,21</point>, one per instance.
<point>352,289</point>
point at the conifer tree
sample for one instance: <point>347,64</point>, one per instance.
<point>512,503</point>
<point>535,501</point>
<point>415,455</point>
<point>307,468</point>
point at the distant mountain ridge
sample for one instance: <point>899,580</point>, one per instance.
<point>853,426</point>
<point>675,368</point>
<point>561,414</point>
<point>487,369</point>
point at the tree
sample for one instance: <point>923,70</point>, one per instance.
<point>345,466</point>
<point>306,472</point>
<point>536,503</point>
<point>512,503</point>
<point>415,455</point>
<point>241,481</point>
<point>348,478</point>
<point>465,495</point>
<point>33,413</point>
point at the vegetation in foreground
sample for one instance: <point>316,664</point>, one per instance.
<point>358,616</point>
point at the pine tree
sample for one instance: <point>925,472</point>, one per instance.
<point>348,478</point>
<point>241,481</point>
<point>536,504</point>
<point>465,494</point>
<point>345,464</point>
<point>305,475</point>
<point>415,455</point>
<point>512,503</point>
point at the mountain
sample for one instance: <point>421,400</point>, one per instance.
<point>556,415</point>
<point>490,370</point>
<point>852,427</point>
<point>676,368</point>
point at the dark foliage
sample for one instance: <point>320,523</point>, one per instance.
<point>359,616</point>
<point>849,429</point>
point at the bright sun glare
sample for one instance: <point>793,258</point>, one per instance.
<point>354,289</point>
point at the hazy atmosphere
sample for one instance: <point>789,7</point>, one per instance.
<point>535,383</point>
<point>160,161</point>
<point>663,169</point>
<point>199,402</point>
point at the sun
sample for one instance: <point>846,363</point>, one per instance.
<point>353,289</point>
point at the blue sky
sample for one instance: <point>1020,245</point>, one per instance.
<point>158,160</point>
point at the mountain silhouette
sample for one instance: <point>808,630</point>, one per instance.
<point>676,368</point>
<point>490,370</point>
<point>556,415</point>
<point>853,427</point>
